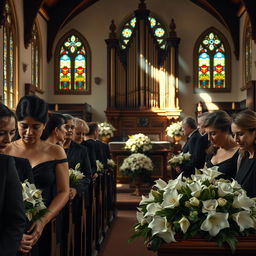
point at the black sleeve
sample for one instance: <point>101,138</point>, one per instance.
<point>13,212</point>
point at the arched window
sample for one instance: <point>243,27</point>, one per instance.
<point>212,62</point>
<point>158,30</point>
<point>73,60</point>
<point>9,56</point>
<point>35,57</point>
<point>247,58</point>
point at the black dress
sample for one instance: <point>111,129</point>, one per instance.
<point>246,175</point>
<point>24,169</point>
<point>227,167</point>
<point>45,179</point>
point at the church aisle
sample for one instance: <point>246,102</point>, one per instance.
<point>116,242</point>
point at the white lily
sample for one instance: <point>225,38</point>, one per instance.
<point>209,205</point>
<point>162,228</point>
<point>184,224</point>
<point>171,198</point>
<point>195,188</point>
<point>160,184</point>
<point>224,188</point>
<point>148,199</point>
<point>141,219</point>
<point>243,201</point>
<point>243,220</point>
<point>153,208</point>
<point>212,172</point>
<point>194,201</point>
<point>215,222</point>
<point>175,184</point>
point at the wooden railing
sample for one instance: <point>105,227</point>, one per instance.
<point>85,219</point>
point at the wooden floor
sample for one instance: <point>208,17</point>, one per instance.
<point>116,242</point>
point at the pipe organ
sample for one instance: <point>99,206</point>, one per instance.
<point>142,75</point>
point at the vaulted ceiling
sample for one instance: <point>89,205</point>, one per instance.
<point>59,12</point>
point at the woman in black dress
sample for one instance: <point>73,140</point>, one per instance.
<point>49,165</point>
<point>244,131</point>
<point>8,127</point>
<point>223,151</point>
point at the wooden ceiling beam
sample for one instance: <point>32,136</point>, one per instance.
<point>30,10</point>
<point>250,6</point>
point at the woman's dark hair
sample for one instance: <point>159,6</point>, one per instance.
<point>93,126</point>
<point>32,106</point>
<point>6,112</point>
<point>219,120</point>
<point>68,117</point>
<point>56,120</point>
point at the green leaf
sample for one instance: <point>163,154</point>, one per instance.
<point>156,243</point>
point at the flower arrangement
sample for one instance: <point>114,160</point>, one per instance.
<point>178,160</point>
<point>111,164</point>
<point>100,166</point>
<point>174,129</point>
<point>35,208</point>
<point>75,176</point>
<point>106,129</point>
<point>138,143</point>
<point>216,209</point>
<point>135,165</point>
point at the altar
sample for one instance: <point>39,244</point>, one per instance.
<point>159,155</point>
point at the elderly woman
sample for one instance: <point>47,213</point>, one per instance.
<point>223,151</point>
<point>244,131</point>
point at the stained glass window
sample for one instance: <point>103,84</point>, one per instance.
<point>73,65</point>
<point>9,57</point>
<point>158,30</point>
<point>35,57</point>
<point>212,55</point>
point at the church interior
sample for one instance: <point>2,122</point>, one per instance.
<point>139,65</point>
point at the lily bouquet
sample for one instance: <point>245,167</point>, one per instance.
<point>138,143</point>
<point>75,176</point>
<point>111,164</point>
<point>216,209</point>
<point>100,166</point>
<point>174,129</point>
<point>136,165</point>
<point>178,160</point>
<point>33,201</point>
<point>106,129</point>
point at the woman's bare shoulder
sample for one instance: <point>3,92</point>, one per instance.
<point>56,151</point>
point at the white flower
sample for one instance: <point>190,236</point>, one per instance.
<point>106,129</point>
<point>175,184</point>
<point>111,164</point>
<point>184,224</point>
<point>153,208</point>
<point>179,159</point>
<point>141,219</point>
<point>243,220</point>
<point>171,198</point>
<point>212,172</point>
<point>243,201</point>
<point>160,184</point>
<point>175,129</point>
<point>215,222</point>
<point>194,201</point>
<point>209,205</point>
<point>162,228</point>
<point>224,188</point>
<point>148,199</point>
<point>195,188</point>
<point>138,142</point>
<point>222,201</point>
<point>99,165</point>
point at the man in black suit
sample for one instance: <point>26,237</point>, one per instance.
<point>202,143</point>
<point>189,128</point>
<point>12,218</point>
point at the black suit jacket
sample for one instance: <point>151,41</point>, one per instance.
<point>90,145</point>
<point>200,151</point>
<point>78,154</point>
<point>190,146</point>
<point>246,175</point>
<point>12,218</point>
